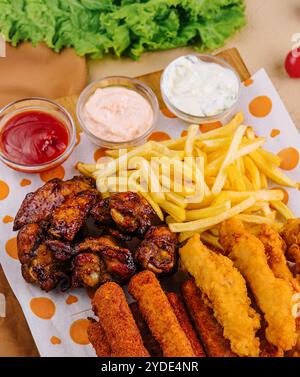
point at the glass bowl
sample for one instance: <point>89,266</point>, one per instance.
<point>190,118</point>
<point>46,106</point>
<point>117,81</point>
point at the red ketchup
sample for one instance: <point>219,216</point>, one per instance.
<point>33,138</point>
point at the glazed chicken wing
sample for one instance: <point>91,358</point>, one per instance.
<point>101,260</point>
<point>69,217</point>
<point>132,213</point>
<point>158,250</point>
<point>39,205</point>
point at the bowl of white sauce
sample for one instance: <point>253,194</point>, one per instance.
<point>117,112</point>
<point>200,88</point>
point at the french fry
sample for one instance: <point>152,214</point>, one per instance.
<point>172,209</point>
<point>272,172</point>
<point>210,239</point>
<point>197,214</point>
<point>190,140</point>
<point>283,210</point>
<point>269,157</point>
<point>199,225</point>
<point>252,173</point>
<point>221,177</point>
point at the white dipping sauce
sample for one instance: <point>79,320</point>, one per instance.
<point>200,88</point>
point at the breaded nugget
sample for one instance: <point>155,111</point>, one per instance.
<point>122,334</point>
<point>209,330</point>
<point>226,291</point>
<point>159,315</point>
<point>185,322</point>
<point>273,295</point>
<point>150,342</point>
<point>98,339</point>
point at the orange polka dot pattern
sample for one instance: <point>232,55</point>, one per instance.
<point>43,307</point>
<point>78,331</point>
<point>260,106</point>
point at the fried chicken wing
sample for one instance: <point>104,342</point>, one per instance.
<point>101,212</point>
<point>226,290</point>
<point>62,251</point>
<point>159,315</point>
<point>273,295</point>
<point>121,331</point>
<point>39,205</point>
<point>28,240</point>
<point>158,251</point>
<point>69,217</point>
<point>209,330</point>
<point>101,260</point>
<point>275,249</point>
<point>132,213</point>
<point>291,236</point>
<point>43,269</point>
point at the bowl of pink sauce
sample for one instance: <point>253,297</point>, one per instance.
<point>117,112</point>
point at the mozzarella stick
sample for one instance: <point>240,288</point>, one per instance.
<point>209,330</point>
<point>121,331</point>
<point>185,323</point>
<point>149,341</point>
<point>98,340</point>
<point>159,315</point>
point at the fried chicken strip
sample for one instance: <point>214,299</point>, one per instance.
<point>273,295</point>
<point>159,315</point>
<point>275,252</point>
<point>185,323</point>
<point>291,236</point>
<point>209,330</point>
<point>120,329</point>
<point>226,290</point>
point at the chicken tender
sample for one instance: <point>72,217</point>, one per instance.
<point>209,330</point>
<point>275,251</point>
<point>226,290</point>
<point>273,295</point>
<point>291,236</point>
<point>185,323</point>
<point>68,218</point>
<point>120,329</point>
<point>159,315</point>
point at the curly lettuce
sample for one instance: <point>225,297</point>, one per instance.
<point>121,27</point>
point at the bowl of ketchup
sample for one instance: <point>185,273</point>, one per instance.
<point>36,134</point>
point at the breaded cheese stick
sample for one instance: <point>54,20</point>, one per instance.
<point>185,323</point>
<point>150,342</point>
<point>98,340</point>
<point>159,315</point>
<point>273,295</point>
<point>209,330</point>
<point>122,334</point>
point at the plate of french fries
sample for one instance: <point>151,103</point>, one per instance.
<point>197,181</point>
